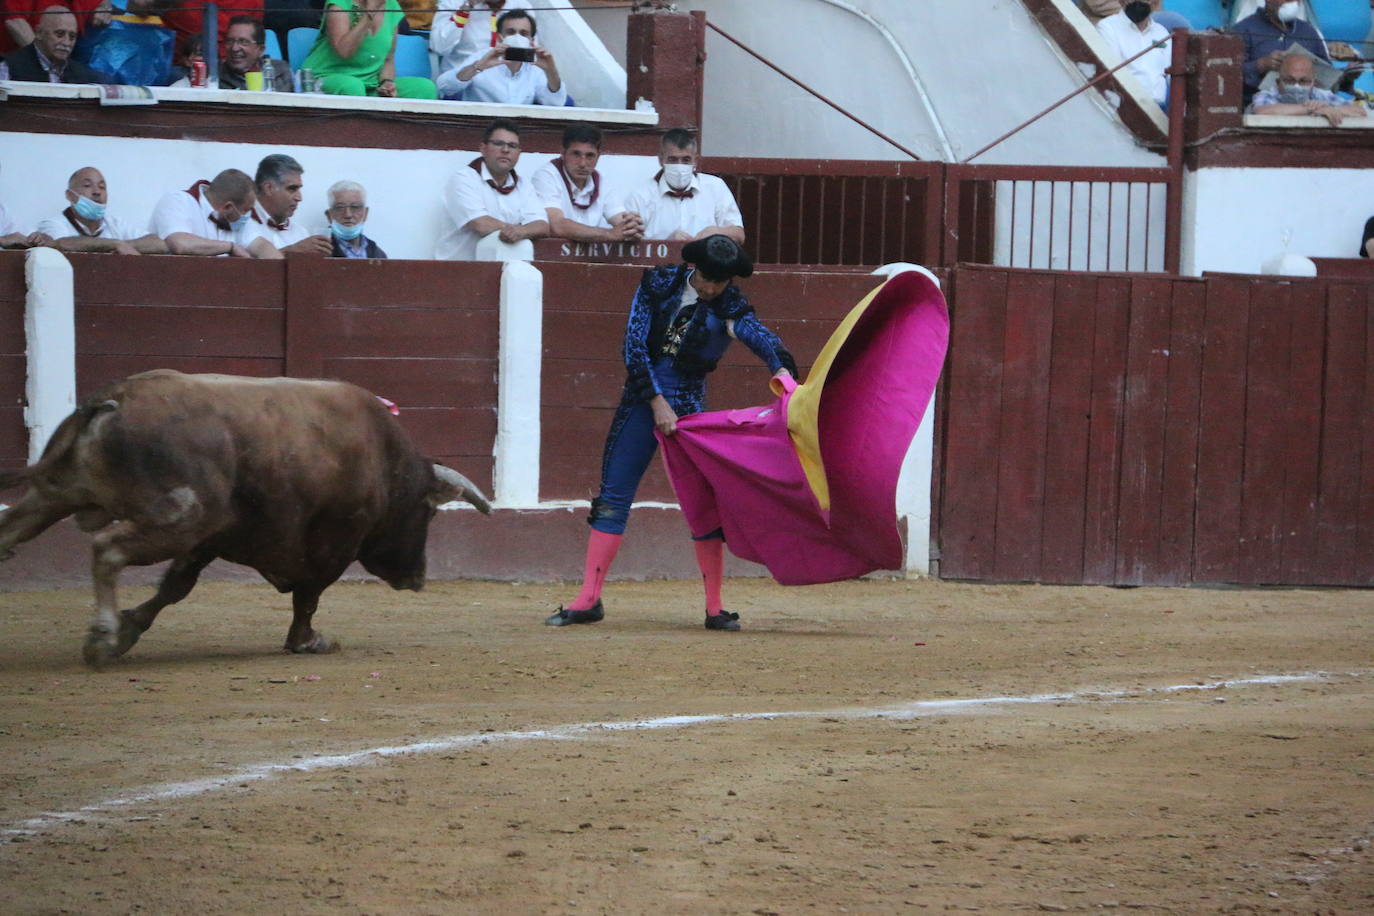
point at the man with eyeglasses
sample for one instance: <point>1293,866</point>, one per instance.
<point>48,59</point>
<point>244,53</point>
<point>347,215</point>
<point>1296,93</point>
<point>488,199</point>
<point>212,218</point>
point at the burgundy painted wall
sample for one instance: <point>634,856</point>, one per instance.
<point>14,442</point>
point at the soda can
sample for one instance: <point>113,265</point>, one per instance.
<point>198,72</point>
<point>307,80</point>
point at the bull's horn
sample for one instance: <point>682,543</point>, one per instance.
<point>466,488</point>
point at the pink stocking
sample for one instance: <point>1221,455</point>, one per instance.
<point>711,559</point>
<point>601,549</point>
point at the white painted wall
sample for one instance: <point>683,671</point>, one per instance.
<point>1235,219</point>
<point>403,185</point>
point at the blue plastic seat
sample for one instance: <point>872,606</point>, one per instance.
<point>299,41</point>
<point>1342,20</point>
<point>1201,14</point>
<point>412,56</point>
<point>272,46</point>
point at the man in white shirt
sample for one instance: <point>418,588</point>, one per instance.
<point>278,183</point>
<point>464,31</point>
<point>11,237</point>
<point>212,218</point>
<point>579,204</point>
<point>487,197</point>
<point>1133,30</point>
<point>515,71</point>
<point>680,203</point>
<point>86,226</point>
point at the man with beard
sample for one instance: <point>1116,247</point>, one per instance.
<point>580,205</point>
<point>244,52</point>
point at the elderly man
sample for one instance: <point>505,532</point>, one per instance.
<point>488,198</point>
<point>1296,93</point>
<point>85,226</point>
<point>212,218</point>
<point>514,72</point>
<point>278,183</point>
<point>244,53</point>
<point>347,215</point>
<point>49,58</point>
<point>579,204</point>
<point>1134,30</point>
<point>680,203</point>
<point>464,30</point>
<point>1268,33</point>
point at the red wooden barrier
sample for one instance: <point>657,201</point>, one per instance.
<point>1143,430</point>
<point>14,437</point>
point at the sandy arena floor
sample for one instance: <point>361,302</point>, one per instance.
<point>1184,751</point>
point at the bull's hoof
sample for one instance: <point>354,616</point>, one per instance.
<point>100,648</point>
<point>129,633</point>
<point>319,644</point>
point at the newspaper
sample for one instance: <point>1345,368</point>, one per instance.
<point>126,95</point>
<point>1323,74</point>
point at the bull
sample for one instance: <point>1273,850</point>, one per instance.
<point>294,478</point>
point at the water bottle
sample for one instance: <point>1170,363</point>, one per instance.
<point>269,74</point>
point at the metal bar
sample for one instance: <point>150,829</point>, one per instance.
<point>1111,199</point>
<point>1011,232</point>
<point>1130,186</point>
<point>1148,199</point>
<point>768,63</point>
<point>1030,251</point>
<point>1073,196</point>
<point>1092,193</point>
<point>1173,201</point>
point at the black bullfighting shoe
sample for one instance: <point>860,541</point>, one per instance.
<point>725,620</point>
<point>562,617</point>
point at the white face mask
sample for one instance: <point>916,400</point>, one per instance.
<point>1289,11</point>
<point>516,41</point>
<point>678,176</point>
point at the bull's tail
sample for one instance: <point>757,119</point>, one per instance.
<point>62,442</point>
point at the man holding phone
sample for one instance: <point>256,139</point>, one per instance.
<point>516,71</point>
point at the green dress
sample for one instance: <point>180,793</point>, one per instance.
<point>360,74</point>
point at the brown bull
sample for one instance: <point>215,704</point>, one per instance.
<point>293,478</point>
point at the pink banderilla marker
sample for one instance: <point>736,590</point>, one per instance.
<point>390,405</point>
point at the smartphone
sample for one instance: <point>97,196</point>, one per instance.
<point>521,54</point>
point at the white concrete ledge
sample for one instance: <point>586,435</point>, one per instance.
<point>335,103</point>
<point>1309,121</point>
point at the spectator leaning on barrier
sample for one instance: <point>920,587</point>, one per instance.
<point>1268,32</point>
<point>347,215</point>
<point>48,58</point>
<point>1296,93</point>
<point>487,197</point>
<point>86,226</point>
<point>681,203</point>
<point>212,218</point>
<point>1133,30</point>
<point>577,200</point>
<point>244,52</point>
<point>517,71</point>
<point>278,183</point>
<point>463,31</point>
<point>356,52</point>
<point>11,237</point>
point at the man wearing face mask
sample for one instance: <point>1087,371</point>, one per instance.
<point>85,226</point>
<point>1269,32</point>
<point>212,218</point>
<point>1296,93</point>
<point>347,215</point>
<point>680,203</point>
<point>498,76</point>
<point>1133,30</point>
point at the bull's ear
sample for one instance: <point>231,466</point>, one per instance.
<point>449,485</point>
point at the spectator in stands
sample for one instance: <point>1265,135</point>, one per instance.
<point>356,52</point>
<point>1134,30</point>
<point>212,218</point>
<point>19,18</point>
<point>1268,33</point>
<point>347,215</point>
<point>681,203</point>
<point>1296,93</point>
<point>419,14</point>
<point>462,32</point>
<point>244,52</point>
<point>47,59</point>
<point>187,19</point>
<point>11,237</point>
<point>1366,242</point>
<point>1097,10</point>
<point>497,77</point>
<point>278,183</point>
<point>575,196</point>
<point>487,197</point>
<point>85,226</point>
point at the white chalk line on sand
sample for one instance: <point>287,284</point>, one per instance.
<point>912,710</point>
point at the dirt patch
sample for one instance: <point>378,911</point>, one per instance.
<point>1085,782</point>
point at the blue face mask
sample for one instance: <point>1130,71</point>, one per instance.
<point>88,209</point>
<point>1294,94</point>
<point>240,224</point>
<point>347,233</point>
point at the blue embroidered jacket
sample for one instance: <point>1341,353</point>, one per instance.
<point>669,350</point>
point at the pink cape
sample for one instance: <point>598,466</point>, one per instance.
<point>746,472</point>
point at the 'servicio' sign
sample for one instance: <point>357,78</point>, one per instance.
<point>641,252</point>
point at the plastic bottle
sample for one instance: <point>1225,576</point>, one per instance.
<point>269,74</point>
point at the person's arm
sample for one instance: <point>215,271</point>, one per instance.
<point>468,72</point>
<point>149,244</point>
<point>729,221</point>
<point>260,247</point>
<point>386,80</point>
<point>14,240</point>
<point>563,227</point>
<point>310,245</point>
<point>347,29</point>
<point>21,33</point>
<point>450,19</point>
<point>78,243</point>
<point>764,343</point>
<point>535,229</point>
<point>551,93</point>
<point>186,243</point>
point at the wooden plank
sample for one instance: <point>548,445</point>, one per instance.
<point>304,341</point>
<point>1066,441</point>
<point>226,283</point>
<point>1178,492</point>
<point>421,382</point>
<point>1364,543</point>
<point>451,430</point>
<point>13,287</point>
<point>405,332</point>
<point>1266,397</point>
<point>1023,425</point>
<point>1101,489</point>
<point>178,331</point>
<point>385,284</point>
<point>1142,432</point>
<point>94,372</point>
<point>14,439</point>
<point>1302,434</point>
<point>1216,556</point>
<point>1344,404</point>
<point>969,493</point>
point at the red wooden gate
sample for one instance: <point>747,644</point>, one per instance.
<point>1146,430</point>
